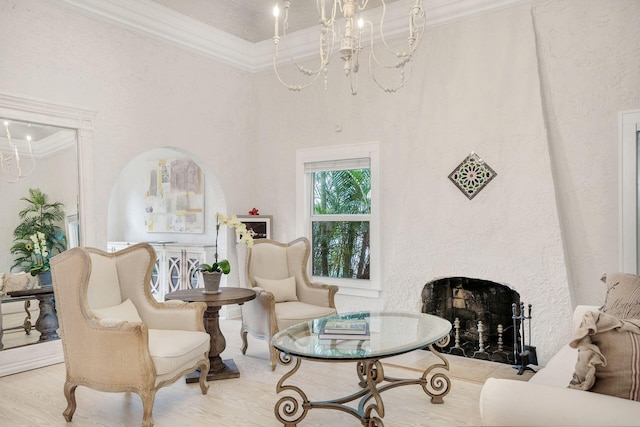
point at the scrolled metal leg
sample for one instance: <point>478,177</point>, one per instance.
<point>374,376</point>
<point>290,409</point>
<point>439,385</point>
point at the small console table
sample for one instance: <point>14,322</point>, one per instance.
<point>47,322</point>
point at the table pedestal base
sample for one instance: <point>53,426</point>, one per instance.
<point>228,371</point>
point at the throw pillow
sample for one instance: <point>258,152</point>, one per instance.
<point>623,296</point>
<point>125,311</point>
<point>283,290</point>
<point>20,282</point>
<point>608,356</point>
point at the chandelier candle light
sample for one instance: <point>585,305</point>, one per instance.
<point>356,30</point>
<point>10,163</point>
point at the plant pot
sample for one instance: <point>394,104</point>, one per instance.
<point>45,279</point>
<point>211,282</point>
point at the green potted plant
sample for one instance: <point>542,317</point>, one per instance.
<point>212,273</point>
<point>38,236</point>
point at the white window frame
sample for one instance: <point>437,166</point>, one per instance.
<point>357,287</point>
<point>628,190</point>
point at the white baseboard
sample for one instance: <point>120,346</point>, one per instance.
<point>25,358</point>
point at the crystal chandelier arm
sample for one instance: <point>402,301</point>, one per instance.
<point>326,45</point>
<point>12,164</point>
<point>30,154</point>
<point>414,39</point>
<point>12,161</point>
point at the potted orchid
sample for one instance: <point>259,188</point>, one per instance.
<point>212,273</point>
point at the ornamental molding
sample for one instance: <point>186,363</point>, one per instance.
<point>162,23</point>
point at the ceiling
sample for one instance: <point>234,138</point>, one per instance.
<point>251,20</point>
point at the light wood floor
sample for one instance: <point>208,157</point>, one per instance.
<point>35,398</point>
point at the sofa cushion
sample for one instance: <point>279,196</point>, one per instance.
<point>283,290</point>
<point>623,296</point>
<point>123,311</point>
<point>171,349</point>
<point>608,356</point>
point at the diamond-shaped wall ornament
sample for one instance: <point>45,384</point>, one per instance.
<point>472,175</point>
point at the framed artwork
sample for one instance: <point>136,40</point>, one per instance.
<point>174,198</point>
<point>258,225</point>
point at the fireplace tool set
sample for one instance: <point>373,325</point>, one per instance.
<point>524,354</point>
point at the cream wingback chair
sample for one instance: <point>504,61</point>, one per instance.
<point>285,294</point>
<point>115,336</point>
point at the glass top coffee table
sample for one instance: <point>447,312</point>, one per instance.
<point>390,334</point>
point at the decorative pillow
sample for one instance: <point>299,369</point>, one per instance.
<point>608,356</point>
<point>124,311</point>
<point>20,282</point>
<point>623,296</point>
<point>283,290</point>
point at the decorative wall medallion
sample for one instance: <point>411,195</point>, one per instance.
<point>472,175</point>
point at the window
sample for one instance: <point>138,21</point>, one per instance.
<point>337,202</point>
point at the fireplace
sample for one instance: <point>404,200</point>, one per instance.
<point>465,302</point>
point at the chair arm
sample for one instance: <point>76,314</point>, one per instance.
<point>319,294</point>
<point>255,312</point>
<point>124,344</point>
<point>506,402</point>
<point>173,314</point>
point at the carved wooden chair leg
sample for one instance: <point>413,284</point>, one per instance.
<point>204,371</point>
<point>148,397</point>
<point>245,344</point>
<point>70,394</point>
<point>272,357</point>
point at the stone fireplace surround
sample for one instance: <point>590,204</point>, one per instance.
<point>470,301</point>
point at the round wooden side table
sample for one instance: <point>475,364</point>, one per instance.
<point>220,369</point>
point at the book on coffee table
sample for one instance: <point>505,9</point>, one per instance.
<point>355,329</point>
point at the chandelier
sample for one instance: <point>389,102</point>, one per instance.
<point>343,25</point>
<point>16,163</point>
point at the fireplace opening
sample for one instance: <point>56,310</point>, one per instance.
<point>482,315</point>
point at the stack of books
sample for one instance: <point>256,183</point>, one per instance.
<point>344,329</point>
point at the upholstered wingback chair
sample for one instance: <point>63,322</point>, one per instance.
<point>116,337</point>
<point>285,294</point>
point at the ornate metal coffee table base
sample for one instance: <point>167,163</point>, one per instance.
<point>293,408</point>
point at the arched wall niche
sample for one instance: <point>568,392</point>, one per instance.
<point>80,120</point>
<point>126,212</point>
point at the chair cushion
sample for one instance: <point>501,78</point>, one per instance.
<point>171,349</point>
<point>104,287</point>
<point>290,313</point>
<point>123,311</point>
<point>623,296</point>
<point>283,290</point>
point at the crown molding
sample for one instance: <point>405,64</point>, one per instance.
<point>152,19</point>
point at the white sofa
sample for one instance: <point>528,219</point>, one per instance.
<point>545,400</point>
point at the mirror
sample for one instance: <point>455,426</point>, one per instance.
<point>38,156</point>
<point>80,120</point>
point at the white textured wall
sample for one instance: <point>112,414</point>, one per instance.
<point>590,68</point>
